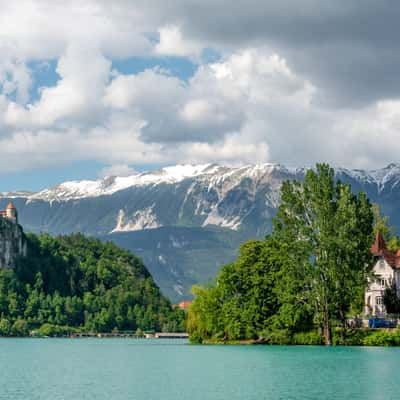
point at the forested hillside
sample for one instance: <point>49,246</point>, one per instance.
<point>73,282</point>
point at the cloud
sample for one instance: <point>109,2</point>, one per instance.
<point>15,79</point>
<point>349,50</point>
<point>249,107</point>
<point>171,43</point>
<point>296,83</point>
<point>76,98</point>
<point>41,30</point>
<point>117,170</point>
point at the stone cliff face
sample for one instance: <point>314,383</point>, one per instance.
<point>13,243</point>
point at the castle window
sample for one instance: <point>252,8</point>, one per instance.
<point>379,301</point>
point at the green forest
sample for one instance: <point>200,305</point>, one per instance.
<point>299,284</point>
<point>74,283</point>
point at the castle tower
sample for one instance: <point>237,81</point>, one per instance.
<point>11,213</point>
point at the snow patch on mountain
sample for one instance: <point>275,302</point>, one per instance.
<point>380,177</point>
<point>143,219</point>
<point>214,218</point>
<point>389,174</point>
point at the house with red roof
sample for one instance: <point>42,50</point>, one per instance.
<point>386,272</point>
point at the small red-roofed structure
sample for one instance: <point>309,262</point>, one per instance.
<point>184,305</point>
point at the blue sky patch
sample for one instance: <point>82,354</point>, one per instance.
<point>43,75</point>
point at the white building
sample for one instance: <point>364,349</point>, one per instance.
<point>387,272</point>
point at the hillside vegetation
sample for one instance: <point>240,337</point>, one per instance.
<point>74,282</point>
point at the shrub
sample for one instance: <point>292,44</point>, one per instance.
<point>20,328</point>
<point>55,330</point>
<point>281,336</point>
<point>307,338</point>
<point>353,337</point>
<point>382,338</point>
<point>195,338</point>
<point>5,327</point>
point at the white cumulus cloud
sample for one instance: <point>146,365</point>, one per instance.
<point>254,104</point>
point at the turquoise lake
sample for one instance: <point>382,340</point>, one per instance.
<point>116,369</point>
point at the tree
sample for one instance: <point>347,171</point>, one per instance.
<point>243,300</point>
<point>329,230</point>
<point>381,224</point>
<point>391,299</point>
<point>20,328</point>
<point>5,327</point>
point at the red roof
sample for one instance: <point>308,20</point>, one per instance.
<point>184,304</point>
<point>379,245</point>
<point>379,249</point>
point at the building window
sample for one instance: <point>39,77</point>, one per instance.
<point>381,282</point>
<point>379,301</point>
<point>382,263</point>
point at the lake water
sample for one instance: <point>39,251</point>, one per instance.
<point>116,369</point>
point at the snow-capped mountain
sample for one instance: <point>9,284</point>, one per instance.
<point>199,214</point>
<point>203,195</point>
<point>111,184</point>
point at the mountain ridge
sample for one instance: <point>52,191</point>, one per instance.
<point>218,206</point>
<point>109,185</point>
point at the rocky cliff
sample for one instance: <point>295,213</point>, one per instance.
<point>13,243</point>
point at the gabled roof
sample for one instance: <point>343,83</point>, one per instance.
<point>379,249</point>
<point>379,245</point>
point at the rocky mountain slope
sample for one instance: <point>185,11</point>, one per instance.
<point>185,221</point>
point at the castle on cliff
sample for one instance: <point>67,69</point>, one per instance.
<point>13,243</point>
<point>10,213</point>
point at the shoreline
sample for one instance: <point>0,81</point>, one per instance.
<point>382,337</point>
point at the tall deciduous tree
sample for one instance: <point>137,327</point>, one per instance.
<point>330,231</point>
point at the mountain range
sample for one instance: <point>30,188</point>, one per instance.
<point>184,221</point>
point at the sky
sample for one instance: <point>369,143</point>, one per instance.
<point>95,88</point>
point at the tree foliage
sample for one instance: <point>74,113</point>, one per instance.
<point>381,224</point>
<point>391,299</point>
<point>243,300</point>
